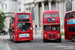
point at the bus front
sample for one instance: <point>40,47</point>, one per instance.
<point>23,27</point>
<point>51,26</point>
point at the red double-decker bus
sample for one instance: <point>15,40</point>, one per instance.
<point>51,26</point>
<point>69,25</point>
<point>21,28</point>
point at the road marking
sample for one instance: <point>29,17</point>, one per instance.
<point>70,42</point>
<point>62,46</point>
<point>7,41</point>
<point>54,44</point>
<point>8,47</point>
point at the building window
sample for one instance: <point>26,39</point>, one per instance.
<point>19,9</point>
<point>2,6</point>
<point>5,6</point>
<point>15,0</point>
<point>33,17</point>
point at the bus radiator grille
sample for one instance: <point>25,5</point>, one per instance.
<point>52,36</point>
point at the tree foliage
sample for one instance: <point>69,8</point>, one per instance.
<point>2,18</point>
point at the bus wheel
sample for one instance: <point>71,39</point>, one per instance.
<point>60,40</point>
<point>45,40</point>
<point>73,38</point>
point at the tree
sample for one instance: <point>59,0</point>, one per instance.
<point>2,18</point>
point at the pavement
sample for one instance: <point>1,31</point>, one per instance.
<point>4,36</point>
<point>2,45</point>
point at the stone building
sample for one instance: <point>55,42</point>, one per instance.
<point>36,7</point>
<point>39,6</point>
<point>10,7</point>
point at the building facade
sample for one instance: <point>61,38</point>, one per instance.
<point>36,7</point>
<point>39,6</point>
<point>10,7</point>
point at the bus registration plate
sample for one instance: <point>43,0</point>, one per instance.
<point>23,35</point>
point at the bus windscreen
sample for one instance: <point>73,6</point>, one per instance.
<point>23,16</point>
<point>24,26</point>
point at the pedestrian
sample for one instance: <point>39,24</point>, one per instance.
<point>3,31</point>
<point>35,26</point>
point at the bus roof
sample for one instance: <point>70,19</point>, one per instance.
<point>50,11</point>
<point>22,13</point>
<point>70,11</point>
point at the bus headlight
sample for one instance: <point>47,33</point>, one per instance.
<point>45,35</point>
<point>58,35</point>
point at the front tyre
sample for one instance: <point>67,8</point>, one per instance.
<point>45,40</point>
<point>60,40</point>
<point>73,38</point>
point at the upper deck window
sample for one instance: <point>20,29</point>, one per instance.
<point>23,16</point>
<point>12,19</point>
<point>67,15</point>
<point>54,14</point>
<point>47,15</point>
<point>73,14</point>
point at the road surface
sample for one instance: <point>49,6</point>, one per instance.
<point>37,44</point>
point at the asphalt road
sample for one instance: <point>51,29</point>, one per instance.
<point>37,44</point>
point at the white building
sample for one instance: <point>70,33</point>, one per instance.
<point>36,7</point>
<point>10,7</point>
<point>39,6</point>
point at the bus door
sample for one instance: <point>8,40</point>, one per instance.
<point>66,33</point>
<point>12,34</point>
<point>12,31</point>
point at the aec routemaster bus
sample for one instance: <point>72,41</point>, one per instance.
<point>21,28</point>
<point>51,26</point>
<point>69,25</point>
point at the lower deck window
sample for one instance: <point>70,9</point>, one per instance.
<point>47,28</point>
<point>71,28</point>
<point>54,28</point>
